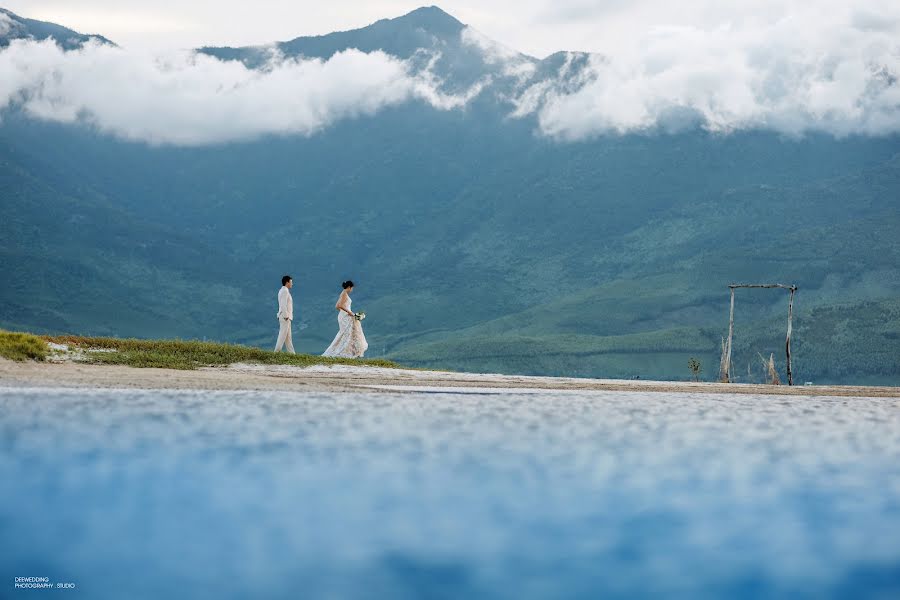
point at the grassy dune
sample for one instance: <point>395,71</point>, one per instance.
<point>22,346</point>
<point>169,354</point>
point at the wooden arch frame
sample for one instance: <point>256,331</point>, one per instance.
<point>726,375</point>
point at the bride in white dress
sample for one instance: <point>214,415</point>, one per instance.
<point>349,341</point>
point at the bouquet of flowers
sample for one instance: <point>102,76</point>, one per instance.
<point>360,315</point>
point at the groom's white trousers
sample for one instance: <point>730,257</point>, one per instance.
<point>284,336</point>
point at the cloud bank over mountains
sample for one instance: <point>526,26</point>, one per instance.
<point>806,70</point>
<point>835,72</point>
<point>193,99</point>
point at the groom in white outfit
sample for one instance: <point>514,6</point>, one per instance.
<point>285,315</point>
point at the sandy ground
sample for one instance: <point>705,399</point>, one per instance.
<point>364,379</point>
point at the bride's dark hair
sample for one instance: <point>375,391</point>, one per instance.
<point>347,284</point>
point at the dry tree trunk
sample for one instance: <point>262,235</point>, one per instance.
<point>787,345</point>
<point>727,377</point>
<point>773,372</point>
<point>723,362</point>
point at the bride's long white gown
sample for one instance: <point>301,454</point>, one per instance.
<point>349,341</point>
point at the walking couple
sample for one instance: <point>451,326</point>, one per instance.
<point>350,342</point>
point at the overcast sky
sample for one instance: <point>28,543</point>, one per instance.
<point>536,27</point>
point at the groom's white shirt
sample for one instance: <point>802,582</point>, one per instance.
<point>285,304</point>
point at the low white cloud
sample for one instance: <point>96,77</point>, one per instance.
<point>804,70</point>
<point>7,25</point>
<point>428,86</point>
<point>512,63</point>
<point>193,99</point>
<point>493,52</point>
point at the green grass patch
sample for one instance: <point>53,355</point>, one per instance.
<point>22,346</point>
<point>181,354</point>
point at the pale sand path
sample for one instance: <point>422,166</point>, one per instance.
<point>364,379</point>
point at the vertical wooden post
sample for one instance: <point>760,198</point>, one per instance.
<point>787,345</point>
<point>730,335</point>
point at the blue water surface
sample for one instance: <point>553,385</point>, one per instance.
<point>202,494</point>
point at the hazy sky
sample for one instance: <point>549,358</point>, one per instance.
<point>537,27</point>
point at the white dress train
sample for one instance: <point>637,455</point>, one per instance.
<point>350,342</point>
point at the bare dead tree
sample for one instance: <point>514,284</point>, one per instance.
<point>723,363</point>
<point>727,377</point>
<point>725,368</point>
<point>787,344</point>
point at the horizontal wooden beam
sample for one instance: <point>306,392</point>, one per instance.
<point>763,285</point>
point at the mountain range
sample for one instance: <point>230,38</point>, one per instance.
<point>476,242</point>
<point>14,27</point>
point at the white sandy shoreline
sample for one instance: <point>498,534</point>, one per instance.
<point>369,380</point>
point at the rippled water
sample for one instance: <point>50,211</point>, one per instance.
<point>150,494</point>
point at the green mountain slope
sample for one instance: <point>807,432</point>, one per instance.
<point>75,261</point>
<point>651,324</point>
<point>831,344</point>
